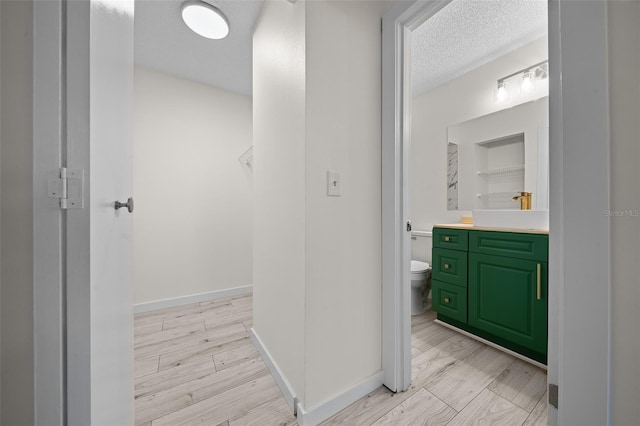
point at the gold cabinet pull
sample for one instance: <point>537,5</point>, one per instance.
<point>538,281</point>
<point>446,300</point>
<point>446,239</point>
<point>446,266</point>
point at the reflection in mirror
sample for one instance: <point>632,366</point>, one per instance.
<point>452,176</point>
<point>498,156</point>
<point>458,58</point>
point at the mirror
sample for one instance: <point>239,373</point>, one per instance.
<point>492,158</point>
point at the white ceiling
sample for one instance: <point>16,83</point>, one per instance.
<point>469,33</point>
<point>461,37</point>
<point>163,42</point>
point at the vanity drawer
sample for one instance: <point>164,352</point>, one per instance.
<point>510,244</point>
<point>454,239</point>
<point>449,300</point>
<point>450,266</point>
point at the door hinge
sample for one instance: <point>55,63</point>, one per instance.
<point>553,395</point>
<point>68,187</point>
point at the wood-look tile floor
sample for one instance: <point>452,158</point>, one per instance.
<point>196,364</point>
<point>455,381</point>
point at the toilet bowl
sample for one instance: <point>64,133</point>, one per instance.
<point>420,272</point>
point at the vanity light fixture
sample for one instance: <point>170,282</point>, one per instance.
<point>528,78</point>
<point>205,19</point>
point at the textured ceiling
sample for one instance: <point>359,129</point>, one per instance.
<point>164,43</point>
<point>461,37</point>
<point>469,33</point>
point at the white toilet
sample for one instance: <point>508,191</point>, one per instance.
<point>420,284</point>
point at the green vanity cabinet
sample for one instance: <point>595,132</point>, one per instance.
<point>496,288</point>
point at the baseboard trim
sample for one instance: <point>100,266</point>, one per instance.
<point>276,373</point>
<point>334,405</point>
<point>193,298</point>
<point>493,345</point>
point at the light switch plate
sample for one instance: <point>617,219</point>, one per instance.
<point>333,183</point>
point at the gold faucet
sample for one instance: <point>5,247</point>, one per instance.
<point>525,200</point>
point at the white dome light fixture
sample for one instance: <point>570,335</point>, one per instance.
<point>205,20</point>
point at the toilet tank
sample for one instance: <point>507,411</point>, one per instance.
<point>421,242</point>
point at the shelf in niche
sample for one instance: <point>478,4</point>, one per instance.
<point>499,194</point>
<point>517,169</point>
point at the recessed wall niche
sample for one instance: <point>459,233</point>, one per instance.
<point>499,171</point>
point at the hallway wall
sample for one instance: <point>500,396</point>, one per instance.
<point>279,209</point>
<point>343,320</point>
<point>192,229</point>
<point>317,296</point>
<point>16,238</point>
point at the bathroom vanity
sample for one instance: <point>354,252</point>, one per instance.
<point>492,283</point>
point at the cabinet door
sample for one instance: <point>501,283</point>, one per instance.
<point>508,298</point>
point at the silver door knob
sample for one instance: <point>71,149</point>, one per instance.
<point>128,205</point>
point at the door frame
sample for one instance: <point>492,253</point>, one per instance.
<point>579,182</point>
<point>49,239</point>
<point>62,293</point>
<point>397,25</point>
<point>62,340</point>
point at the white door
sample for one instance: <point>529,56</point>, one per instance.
<point>99,117</point>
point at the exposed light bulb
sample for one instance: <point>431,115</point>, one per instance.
<point>542,72</point>
<point>526,84</point>
<point>502,94</point>
<point>205,20</point>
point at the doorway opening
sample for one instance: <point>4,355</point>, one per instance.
<point>192,227</point>
<point>464,146</point>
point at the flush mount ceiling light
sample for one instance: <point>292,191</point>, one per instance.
<point>205,20</point>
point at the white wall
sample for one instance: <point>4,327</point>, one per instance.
<point>469,96</point>
<point>16,236</point>
<point>343,274</point>
<point>317,259</point>
<point>624,86</point>
<point>192,229</point>
<point>279,186</point>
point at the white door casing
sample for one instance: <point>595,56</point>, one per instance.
<point>397,25</point>
<point>48,271</point>
<point>579,182</point>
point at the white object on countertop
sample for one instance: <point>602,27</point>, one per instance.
<point>515,219</point>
